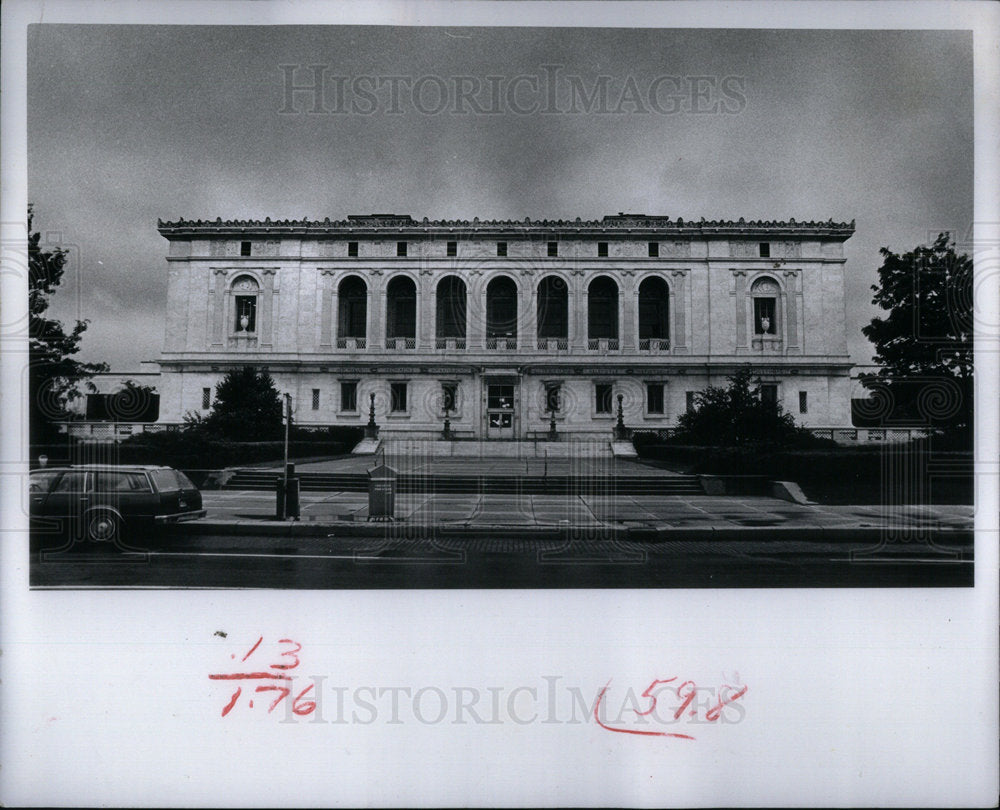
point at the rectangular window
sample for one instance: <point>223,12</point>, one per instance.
<point>401,248</point>
<point>348,396</point>
<point>602,248</point>
<point>602,397</point>
<point>552,398</point>
<point>654,249</point>
<point>553,248</point>
<point>803,402</point>
<point>449,396</point>
<point>244,248</point>
<point>352,248</point>
<point>689,401</point>
<point>500,397</point>
<point>246,313</point>
<point>769,394</point>
<point>763,316</point>
<point>206,398</point>
<point>765,250</point>
<point>397,397</point>
<point>315,400</point>
<point>501,248</point>
<point>453,248</point>
<point>654,398</point>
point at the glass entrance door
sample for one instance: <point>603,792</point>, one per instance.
<point>500,411</point>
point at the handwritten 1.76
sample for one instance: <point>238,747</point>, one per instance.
<point>277,681</point>
<point>686,692</point>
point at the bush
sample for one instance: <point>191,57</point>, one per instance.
<point>193,450</point>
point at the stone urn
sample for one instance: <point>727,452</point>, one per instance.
<point>244,322</point>
<point>765,325</point>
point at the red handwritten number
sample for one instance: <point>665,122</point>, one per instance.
<point>284,690</point>
<point>229,706</point>
<point>687,698</point>
<point>292,653</point>
<point>714,713</point>
<point>306,706</point>
<point>602,724</point>
<point>252,649</point>
<point>649,694</point>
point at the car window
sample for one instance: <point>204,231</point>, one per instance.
<point>185,482</point>
<point>165,480</point>
<point>41,482</point>
<point>117,481</point>
<point>71,482</point>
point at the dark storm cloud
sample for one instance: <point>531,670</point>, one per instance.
<point>131,123</point>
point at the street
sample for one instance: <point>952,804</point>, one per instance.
<point>764,557</point>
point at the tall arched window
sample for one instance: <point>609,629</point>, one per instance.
<point>553,312</point>
<point>451,312</point>
<point>352,312</point>
<point>654,314</point>
<point>401,313</point>
<point>246,292</point>
<point>602,312</point>
<point>501,314</point>
<point>765,295</point>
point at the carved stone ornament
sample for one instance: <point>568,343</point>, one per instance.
<point>245,285</point>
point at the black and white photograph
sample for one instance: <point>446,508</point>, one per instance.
<point>382,310</point>
<point>564,312</point>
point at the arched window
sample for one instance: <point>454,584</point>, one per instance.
<point>654,314</point>
<point>602,312</point>
<point>352,309</point>
<point>765,295</point>
<point>401,312</point>
<point>246,291</point>
<point>451,311</point>
<point>501,313</point>
<point>553,312</point>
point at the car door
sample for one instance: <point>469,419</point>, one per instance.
<point>40,484</point>
<point>69,497</point>
<point>126,491</point>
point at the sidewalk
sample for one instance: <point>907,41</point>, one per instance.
<point>636,517</point>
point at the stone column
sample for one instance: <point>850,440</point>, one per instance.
<point>218,307</point>
<point>791,310</point>
<point>578,303</point>
<point>326,309</point>
<point>425,310</point>
<point>376,327</point>
<point>678,310</point>
<point>475,317</point>
<point>627,306</point>
<point>740,277</point>
<point>268,306</point>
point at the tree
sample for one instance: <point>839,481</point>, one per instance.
<point>54,377</point>
<point>924,344</point>
<point>133,402</point>
<point>736,416</point>
<point>247,407</point>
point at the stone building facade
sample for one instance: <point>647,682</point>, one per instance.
<point>499,325</point>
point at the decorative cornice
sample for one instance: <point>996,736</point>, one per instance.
<point>403,224</point>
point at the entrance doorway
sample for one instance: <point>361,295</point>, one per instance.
<point>500,410</point>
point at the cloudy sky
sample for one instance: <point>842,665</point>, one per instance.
<point>127,124</point>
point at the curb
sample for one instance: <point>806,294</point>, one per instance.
<point>641,534</point>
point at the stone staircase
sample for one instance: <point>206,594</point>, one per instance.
<point>561,485</point>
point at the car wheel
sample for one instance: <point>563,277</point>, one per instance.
<point>103,527</point>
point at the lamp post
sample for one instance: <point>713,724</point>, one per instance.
<point>621,432</point>
<point>371,429</point>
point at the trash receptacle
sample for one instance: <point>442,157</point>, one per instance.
<point>382,493</point>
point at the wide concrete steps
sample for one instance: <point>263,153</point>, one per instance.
<point>564,485</point>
